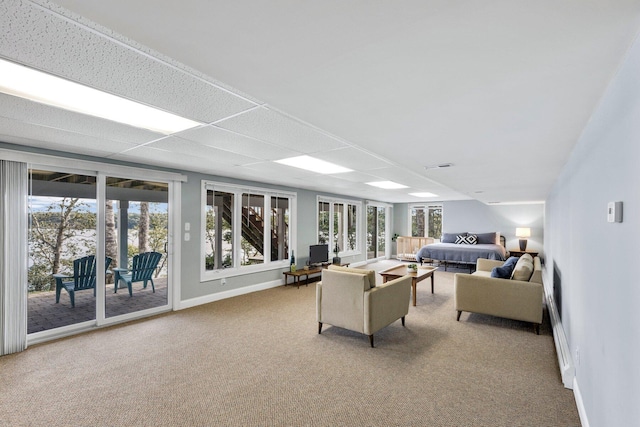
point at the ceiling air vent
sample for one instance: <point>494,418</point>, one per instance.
<point>440,166</point>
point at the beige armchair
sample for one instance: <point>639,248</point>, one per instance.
<point>347,299</point>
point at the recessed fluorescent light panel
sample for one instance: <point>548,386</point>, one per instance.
<point>387,185</point>
<point>426,194</point>
<point>314,165</point>
<point>37,86</point>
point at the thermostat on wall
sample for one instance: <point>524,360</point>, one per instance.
<point>614,212</point>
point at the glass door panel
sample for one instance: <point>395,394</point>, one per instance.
<point>372,232</point>
<point>136,239</point>
<point>62,247</point>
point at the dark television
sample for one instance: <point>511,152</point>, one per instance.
<point>318,254</point>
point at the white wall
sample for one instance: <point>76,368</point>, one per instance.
<point>596,260</point>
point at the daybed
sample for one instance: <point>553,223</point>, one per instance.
<point>464,248</point>
<point>518,297</point>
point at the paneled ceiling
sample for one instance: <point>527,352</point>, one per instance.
<point>500,89</point>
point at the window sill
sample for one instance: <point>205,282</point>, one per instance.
<point>210,275</point>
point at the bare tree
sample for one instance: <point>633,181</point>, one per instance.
<point>57,235</point>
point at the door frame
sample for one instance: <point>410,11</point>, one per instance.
<point>101,170</point>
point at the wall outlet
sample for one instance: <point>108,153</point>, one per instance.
<point>223,281</point>
<point>577,356</point>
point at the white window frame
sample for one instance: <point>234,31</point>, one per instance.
<point>426,207</point>
<point>359,218</point>
<point>238,190</point>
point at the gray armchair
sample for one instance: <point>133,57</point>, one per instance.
<point>346,299</point>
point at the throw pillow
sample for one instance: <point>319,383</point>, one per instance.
<point>486,238</point>
<point>470,239</point>
<point>506,269</point>
<point>451,237</point>
<point>523,269</point>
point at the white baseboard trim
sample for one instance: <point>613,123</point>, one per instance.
<point>193,302</point>
<point>580,404</point>
<point>565,361</point>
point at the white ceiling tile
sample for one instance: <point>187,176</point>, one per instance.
<point>270,126</point>
<point>229,141</point>
<point>178,146</point>
<point>57,139</point>
<point>353,158</point>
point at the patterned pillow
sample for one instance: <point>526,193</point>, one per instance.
<point>470,239</point>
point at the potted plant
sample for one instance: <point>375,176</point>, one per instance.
<point>412,268</point>
<point>336,259</point>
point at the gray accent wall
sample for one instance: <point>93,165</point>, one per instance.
<point>592,262</point>
<point>477,217</point>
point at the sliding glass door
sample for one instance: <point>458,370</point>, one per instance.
<point>136,241</point>
<point>62,231</point>
<point>376,231</point>
<point>98,248</point>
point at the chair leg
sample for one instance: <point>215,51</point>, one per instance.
<point>153,286</point>
<point>459,313</point>
<point>129,285</point>
<point>402,320</point>
<point>72,297</point>
<point>58,289</point>
<point>319,327</point>
<point>536,326</point>
<point>371,340</point>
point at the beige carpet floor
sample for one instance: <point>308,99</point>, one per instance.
<point>257,360</point>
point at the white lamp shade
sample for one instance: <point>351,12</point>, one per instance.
<point>523,232</point>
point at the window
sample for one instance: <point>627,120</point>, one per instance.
<point>426,221</point>
<point>244,229</point>
<point>338,225</point>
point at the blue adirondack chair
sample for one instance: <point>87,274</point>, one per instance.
<point>84,277</point>
<point>142,269</point>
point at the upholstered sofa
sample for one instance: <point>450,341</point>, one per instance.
<point>349,298</point>
<point>518,298</point>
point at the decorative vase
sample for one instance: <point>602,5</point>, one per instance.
<point>336,260</point>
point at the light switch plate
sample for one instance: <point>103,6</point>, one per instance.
<point>614,212</point>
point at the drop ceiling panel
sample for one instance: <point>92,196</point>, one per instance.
<point>229,141</point>
<point>353,158</point>
<point>178,146</point>
<point>56,139</point>
<point>282,171</point>
<point>176,160</point>
<point>39,114</point>
<point>270,126</point>
<point>45,40</point>
<point>356,177</point>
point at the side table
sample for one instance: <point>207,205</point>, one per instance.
<point>298,273</point>
<point>520,253</point>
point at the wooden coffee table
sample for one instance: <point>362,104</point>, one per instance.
<point>401,270</point>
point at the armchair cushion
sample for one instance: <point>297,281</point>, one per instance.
<point>371,274</point>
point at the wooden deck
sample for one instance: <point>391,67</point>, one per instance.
<point>44,314</point>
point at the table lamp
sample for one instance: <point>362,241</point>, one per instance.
<point>523,233</point>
